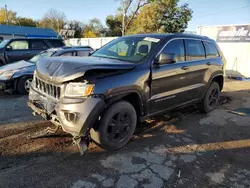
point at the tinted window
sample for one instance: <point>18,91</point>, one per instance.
<point>211,50</point>
<point>56,43</point>
<point>19,45</point>
<point>176,47</point>
<point>67,54</point>
<point>38,45</point>
<point>83,53</point>
<point>195,50</point>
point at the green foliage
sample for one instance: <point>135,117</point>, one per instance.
<point>26,22</point>
<point>177,19</point>
<point>9,19</point>
<point>114,24</point>
<point>93,29</point>
<point>158,16</point>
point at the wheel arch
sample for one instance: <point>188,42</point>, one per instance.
<point>17,80</point>
<point>219,79</point>
<point>133,97</point>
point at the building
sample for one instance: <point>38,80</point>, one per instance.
<point>234,41</point>
<point>7,32</point>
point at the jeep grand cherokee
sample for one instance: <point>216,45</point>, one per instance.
<point>102,98</point>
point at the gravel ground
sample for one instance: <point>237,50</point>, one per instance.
<point>190,150</point>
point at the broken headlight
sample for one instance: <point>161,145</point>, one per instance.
<point>8,74</point>
<point>78,89</point>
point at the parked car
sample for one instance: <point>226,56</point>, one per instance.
<point>12,50</point>
<point>18,76</point>
<point>102,98</point>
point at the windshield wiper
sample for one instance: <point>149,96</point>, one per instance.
<point>107,57</point>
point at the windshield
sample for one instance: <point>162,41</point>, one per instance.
<point>131,49</point>
<point>41,55</point>
<point>3,43</point>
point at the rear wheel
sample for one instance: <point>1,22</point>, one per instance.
<point>116,127</point>
<point>23,85</point>
<point>211,99</point>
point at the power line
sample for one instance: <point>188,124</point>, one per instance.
<point>224,11</point>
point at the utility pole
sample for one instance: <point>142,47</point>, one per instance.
<point>6,14</point>
<point>123,22</point>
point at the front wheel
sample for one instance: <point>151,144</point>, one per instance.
<point>23,85</point>
<point>116,127</point>
<point>211,99</point>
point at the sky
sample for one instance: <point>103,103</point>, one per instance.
<point>205,12</point>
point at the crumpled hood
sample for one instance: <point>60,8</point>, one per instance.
<point>62,69</point>
<point>15,66</point>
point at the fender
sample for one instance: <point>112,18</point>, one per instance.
<point>119,95</point>
<point>2,60</point>
<point>210,82</point>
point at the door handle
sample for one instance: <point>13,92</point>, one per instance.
<point>184,68</point>
<point>209,63</point>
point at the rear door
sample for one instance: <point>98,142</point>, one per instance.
<point>16,50</point>
<point>36,46</point>
<point>169,80</point>
<point>197,68</point>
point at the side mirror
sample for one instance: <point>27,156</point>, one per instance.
<point>166,58</point>
<point>9,48</point>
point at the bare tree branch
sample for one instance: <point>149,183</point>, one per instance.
<point>138,7</point>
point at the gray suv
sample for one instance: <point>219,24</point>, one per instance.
<point>101,98</point>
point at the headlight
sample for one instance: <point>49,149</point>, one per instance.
<point>8,74</point>
<point>78,90</point>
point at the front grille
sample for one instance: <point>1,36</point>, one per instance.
<point>52,90</point>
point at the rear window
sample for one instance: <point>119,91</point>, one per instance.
<point>194,50</point>
<point>38,45</point>
<point>67,54</point>
<point>56,43</point>
<point>211,50</point>
<point>83,53</point>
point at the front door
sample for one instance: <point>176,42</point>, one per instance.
<point>168,86</point>
<point>17,50</point>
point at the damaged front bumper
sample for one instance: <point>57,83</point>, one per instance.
<point>75,115</point>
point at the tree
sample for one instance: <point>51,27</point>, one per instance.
<point>114,24</point>
<point>93,29</point>
<point>177,20</point>
<point>26,22</point>
<point>9,18</point>
<point>162,16</point>
<point>53,19</point>
<point>77,26</point>
<point>128,5</point>
<point>147,20</point>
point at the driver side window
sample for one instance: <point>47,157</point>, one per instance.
<point>19,45</point>
<point>176,47</point>
<point>120,48</point>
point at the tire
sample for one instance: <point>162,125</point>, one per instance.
<point>22,85</point>
<point>1,63</point>
<point>211,99</point>
<point>113,133</point>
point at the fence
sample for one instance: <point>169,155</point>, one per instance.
<point>95,43</point>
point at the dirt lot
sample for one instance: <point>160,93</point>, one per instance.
<point>190,150</point>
